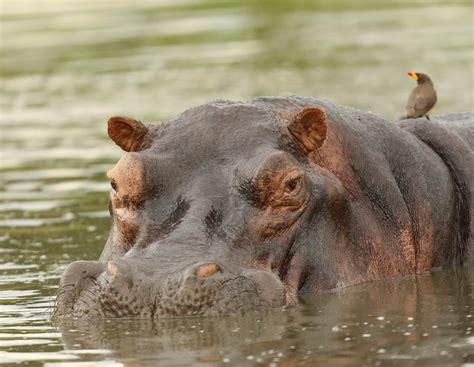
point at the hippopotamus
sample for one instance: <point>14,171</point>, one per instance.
<point>239,207</point>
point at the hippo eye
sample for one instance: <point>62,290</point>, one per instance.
<point>114,186</point>
<point>293,185</point>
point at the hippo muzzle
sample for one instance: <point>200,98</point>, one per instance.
<point>95,290</point>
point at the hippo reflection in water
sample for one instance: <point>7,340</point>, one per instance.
<point>237,207</point>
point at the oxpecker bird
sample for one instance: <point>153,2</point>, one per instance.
<point>422,99</point>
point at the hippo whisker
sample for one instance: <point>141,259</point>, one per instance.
<point>231,280</point>
<point>95,281</point>
<point>85,297</point>
<point>86,292</point>
<point>84,301</point>
<point>241,293</point>
<point>63,291</point>
<point>67,285</point>
<point>66,290</point>
<point>105,280</point>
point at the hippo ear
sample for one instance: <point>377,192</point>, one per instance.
<point>129,134</point>
<point>309,128</point>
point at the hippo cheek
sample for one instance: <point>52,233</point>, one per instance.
<point>271,291</point>
<point>127,223</point>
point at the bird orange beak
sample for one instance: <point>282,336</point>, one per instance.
<point>413,75</point>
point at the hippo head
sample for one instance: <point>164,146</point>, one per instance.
<point>212,213</point>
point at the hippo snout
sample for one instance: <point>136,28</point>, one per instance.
<point>78,274</point>
<point>95,290</point>
<point>210,289</point>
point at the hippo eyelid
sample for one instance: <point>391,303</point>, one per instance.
<point>110,208</point>
<point>293,184</point>
<point>114,186</point>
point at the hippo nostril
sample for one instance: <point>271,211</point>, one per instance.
<point>112,268</point>
<point>116,268</point>
<point>204,271</point>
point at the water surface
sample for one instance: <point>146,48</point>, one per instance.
<point>65,67</point>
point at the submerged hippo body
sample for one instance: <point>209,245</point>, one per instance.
<point>236,207</point>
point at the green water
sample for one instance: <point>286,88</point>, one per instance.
<point>66,66</point>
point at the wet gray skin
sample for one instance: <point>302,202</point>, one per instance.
<point>238,207</point>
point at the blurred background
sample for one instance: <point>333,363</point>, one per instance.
<point>66,66</point>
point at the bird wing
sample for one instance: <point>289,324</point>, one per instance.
<point>419,102</point>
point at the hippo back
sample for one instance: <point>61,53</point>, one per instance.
<point>451,136</point>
